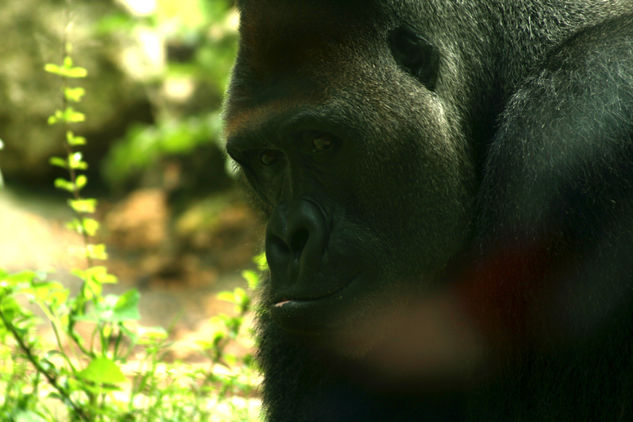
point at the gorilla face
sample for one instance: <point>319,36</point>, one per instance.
<point>340,129</point>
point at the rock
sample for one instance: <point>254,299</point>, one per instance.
<point>28,95</point>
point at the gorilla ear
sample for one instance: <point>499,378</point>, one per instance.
<point>415,55</point>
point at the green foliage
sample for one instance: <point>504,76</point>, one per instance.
<point>202,61</point>
<point>101,364</point>
<point>1,179</point>
<point>94,380</point>
<point>145,144</point>
<point>67,70</point>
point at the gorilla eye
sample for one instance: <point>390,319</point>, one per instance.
<point>319,141</point>
<point>322,143</point>
<point>269,157</point>
<point>415,55</point>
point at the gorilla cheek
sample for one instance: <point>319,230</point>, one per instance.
<point>425,222</point>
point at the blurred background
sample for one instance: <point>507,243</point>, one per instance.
<point>176,226</point>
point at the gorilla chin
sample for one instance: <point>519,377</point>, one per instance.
<point>374,333</point>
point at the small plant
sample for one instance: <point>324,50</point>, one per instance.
<point>81,373</point>
<point>229,329</point>
<point>101,365</point>
<point>1,179</point>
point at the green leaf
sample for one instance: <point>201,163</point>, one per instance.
<point>226,296</point>
<point>102,370</point>
<point>81,181</point>
<point>58,162</point>
<point>90,226</point>
<point>52,68</point>
<point>83,206</point>
<point>93,290</point>
<point>241,298</point>
<point>1,180</point>
<point>22,277</point>
<point>260,261</point>
<point>73,116</point>
<point>49,292</point>
<point>74,94</point>
<point>76,72</point>
<point>98,274</point>
<point>96,252</point>
<point>218,337</point>
<point>73,140</point>
<point>66,71</point>
<point>126,307</point>
<point>252,278</point>
<point>239,293</point>
<point>115,309</point>
<point>68,115</point>
<point>64,184</point>
<point>28,416</point>
<point>75,161</point>
<point>55,117</point>
<point>148,335</point>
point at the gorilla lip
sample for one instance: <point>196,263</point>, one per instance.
<point>284,302</point>
<point>280,302</point>
<point>313,315</point>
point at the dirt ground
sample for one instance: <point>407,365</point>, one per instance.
<point>178,263</point>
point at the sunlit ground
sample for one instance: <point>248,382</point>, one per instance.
<point>34,238</point>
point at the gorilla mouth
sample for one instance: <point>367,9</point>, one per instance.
<point>314,314</point>
<point>290,300</point>
<point>302,296</point>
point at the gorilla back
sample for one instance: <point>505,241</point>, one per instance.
<point>448,186</point>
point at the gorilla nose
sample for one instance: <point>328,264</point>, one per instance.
<point>296,238</point>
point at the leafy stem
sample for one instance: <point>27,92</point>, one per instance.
<point>32,358</point>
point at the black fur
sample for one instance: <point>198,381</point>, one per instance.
<point>449,188</point>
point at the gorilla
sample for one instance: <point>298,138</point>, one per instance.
<point>448,190</point>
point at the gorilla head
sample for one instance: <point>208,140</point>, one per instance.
<point>424,167</point>
<point>331,131</point>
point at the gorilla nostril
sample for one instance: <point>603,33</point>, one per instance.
<point>299,240</point>
<point>296,238</point>
<point>277,246</point>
